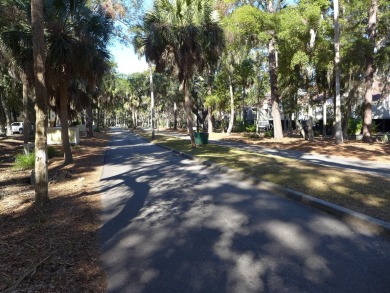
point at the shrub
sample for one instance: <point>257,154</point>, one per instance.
<point>355,126</point>
<point>250,128</point>
<point>24,161</point>
<point>269,133</point>
<point>374,128</point>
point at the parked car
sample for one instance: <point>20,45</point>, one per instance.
<point>17,127</point>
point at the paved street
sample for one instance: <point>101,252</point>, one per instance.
<point>172,225</point>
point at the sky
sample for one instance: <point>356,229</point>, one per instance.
<point>127,61</point>
<point>125,58</point>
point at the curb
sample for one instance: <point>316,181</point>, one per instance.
<point>356,219</point>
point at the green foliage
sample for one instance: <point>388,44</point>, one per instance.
<point>269,133</point>
<point>24,161</point>
<point>355,126</point>
<point>250,128</point>
<point>27,161</point>
<point>238,125</point>
<point>374,128</point>
<point>300,58</point>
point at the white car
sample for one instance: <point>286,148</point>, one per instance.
<point>17,127</point>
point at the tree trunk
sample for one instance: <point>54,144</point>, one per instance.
<point>273,76</point>
<point>136,118</point>
<point>209,109</point>
<point>210,120</point>
<point>231,120</point>
<point>89,119</point>
<point>338,130</point>
<point>290,128</point>
<point>188,111</point>
<point>174,116</point>
<point>41,161</point>
<point>278,132</point>
<point>68,159</point>
<point>3,129</point>
<point>243,108</point>
<point>153,124</point>
<point>299,126</point>
<point>310,132</point>
<point>369,72</point>
<point>26,120</point>
<point>324,116</point>
<point>8,117</point>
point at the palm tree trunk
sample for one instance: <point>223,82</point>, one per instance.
<point>273,76</point>
<point>7,112</point>
<point>152,100</point>
<point>41,171</point>
<point>210,120</point>
<point>210,125</point>
<point>188,111</point>
<point>278,132</point>
<point>338,130</point>
<point>231,120</point>
<point>310,131</point>
<point>26,120</point>
<point>299,126</point>
<point>68,159</point>
<point>324,116</point>
<point>369,72</point>
<point>174,116</point>
<point>89,118</point>
<point>290,128</point>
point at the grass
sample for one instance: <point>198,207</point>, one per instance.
<point>24,161</point>
<point>27,161</point>
<point>368,194</point>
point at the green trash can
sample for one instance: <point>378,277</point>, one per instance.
<point>201,137</point>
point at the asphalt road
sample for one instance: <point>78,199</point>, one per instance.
<point>172,225</point>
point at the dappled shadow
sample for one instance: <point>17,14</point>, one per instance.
<point>171,225</point>
<point>327,147</point>
<point>65,231</point>
<point>325,160</point>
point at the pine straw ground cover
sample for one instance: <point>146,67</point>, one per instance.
<point>54,249</point>
<point>368,194</point>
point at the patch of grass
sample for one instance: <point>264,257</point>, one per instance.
<point>27,161</point>
<point>24,161</point>
<point>368,194</point>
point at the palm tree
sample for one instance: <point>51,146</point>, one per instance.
<point>16,44</point>
<point>41,171</point>
<point>181,37</point>
<point>77,37</point>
